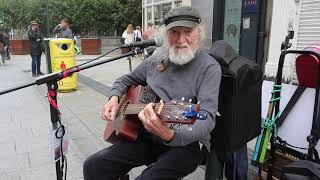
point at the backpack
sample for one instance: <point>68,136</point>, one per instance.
<point>239,100</point>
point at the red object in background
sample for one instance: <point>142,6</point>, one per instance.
<point>307,68</point>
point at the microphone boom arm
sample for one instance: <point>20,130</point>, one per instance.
<point>62,74</point>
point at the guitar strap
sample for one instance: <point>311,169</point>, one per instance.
<point>293,100</point>
<point>315,131</point>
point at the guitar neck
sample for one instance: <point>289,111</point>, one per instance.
<point>137,108</point>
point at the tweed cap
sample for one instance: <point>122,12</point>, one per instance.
<point>184,16</point>
<point>33,23</point>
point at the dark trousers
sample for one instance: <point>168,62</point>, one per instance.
<point>164,163</point>
<point>236,165</point>
<point>35,64</point>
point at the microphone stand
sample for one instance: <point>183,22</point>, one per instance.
<point>52,85</point>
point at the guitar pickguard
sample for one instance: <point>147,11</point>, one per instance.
<point>147,96</point>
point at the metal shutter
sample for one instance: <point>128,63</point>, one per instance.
<point>309,24</point>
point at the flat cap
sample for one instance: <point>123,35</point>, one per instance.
<point>184,16</point>
<point>33,23</point>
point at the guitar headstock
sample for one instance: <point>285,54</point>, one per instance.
<point>180,112</point>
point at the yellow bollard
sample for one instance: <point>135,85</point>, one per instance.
<point>62,54</point>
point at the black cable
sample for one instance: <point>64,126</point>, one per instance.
<point>95,58</point>
<point>284,143</point>
<point>61,129</point>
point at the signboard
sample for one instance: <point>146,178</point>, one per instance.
<point>250,6</point>
<point>232,20</point>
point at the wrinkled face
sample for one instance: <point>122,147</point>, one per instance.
<point>183,44</point>
<point>34,26</point>
<point>183,38</point>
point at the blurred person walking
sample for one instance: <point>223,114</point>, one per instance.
<point>137,34</point>
<point>2,50</point>
<point>149,33</point>
<point>128,36</point>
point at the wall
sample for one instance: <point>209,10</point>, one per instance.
<point>205,7</point>
<point>285,15</point>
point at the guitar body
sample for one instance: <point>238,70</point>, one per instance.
<point>126,126</point>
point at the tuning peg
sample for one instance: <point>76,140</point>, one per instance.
<point>174,102</point>
<point>182,99</point>
<point>190,100</point>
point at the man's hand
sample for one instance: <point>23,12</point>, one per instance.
<point>153,123</point>
<point>110,109</point>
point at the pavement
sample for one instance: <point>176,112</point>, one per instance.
<point>25,125</point>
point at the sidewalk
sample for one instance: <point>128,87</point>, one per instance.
<point>25,120</point>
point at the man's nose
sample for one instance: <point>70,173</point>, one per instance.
<point>182,38</point>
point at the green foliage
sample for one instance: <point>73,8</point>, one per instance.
<point>88,17</point>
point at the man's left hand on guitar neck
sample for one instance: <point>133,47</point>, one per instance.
<point>153,123</point>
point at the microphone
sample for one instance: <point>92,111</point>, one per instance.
<point>157,41</point>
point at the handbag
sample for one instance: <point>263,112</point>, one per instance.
<point>1,47</point>
<point>122,40</point>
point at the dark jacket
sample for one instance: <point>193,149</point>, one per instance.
<point>2,38</point>
<point>2,43</point>
<point>35,46</point>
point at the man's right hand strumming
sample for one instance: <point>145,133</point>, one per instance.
<point>110,109</point>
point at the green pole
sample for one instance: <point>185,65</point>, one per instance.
<point>47,18</point>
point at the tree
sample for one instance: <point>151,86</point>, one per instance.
<point>90,17</point>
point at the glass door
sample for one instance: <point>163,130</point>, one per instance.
<point>232,21</point>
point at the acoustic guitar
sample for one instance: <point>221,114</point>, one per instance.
<point>127,124</point>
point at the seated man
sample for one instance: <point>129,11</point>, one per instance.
<point>177,69</point>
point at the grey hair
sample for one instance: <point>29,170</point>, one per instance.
<point>163,51</point>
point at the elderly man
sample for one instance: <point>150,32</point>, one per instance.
<point>177,69</point>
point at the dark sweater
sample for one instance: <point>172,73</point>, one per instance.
<point>199,78</point>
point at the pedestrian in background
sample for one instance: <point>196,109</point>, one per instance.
<point>35,39</point>
<point>2,50</point>
<point>63,30</point>
<point>128,36</point>
<point>6,41</point>
<point>149,33</point>
<point>137,34</point>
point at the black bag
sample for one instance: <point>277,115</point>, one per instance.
<point>301,170</point>
<point>122,40</point>
<point>239,100</point>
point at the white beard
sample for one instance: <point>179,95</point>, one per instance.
<point>181,58</point>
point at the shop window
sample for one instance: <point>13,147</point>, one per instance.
<point>149,14</point>
<point>178,4</point>
<point>160,11</point>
